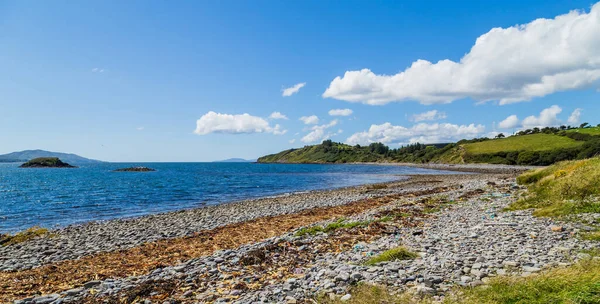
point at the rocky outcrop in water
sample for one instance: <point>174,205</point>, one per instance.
<point>46,162</point>
<point>135,169</point>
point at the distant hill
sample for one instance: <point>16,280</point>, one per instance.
<point>528,147</point>
<point>327,152</point>
<point>27,155</point>
<point>235,160</point>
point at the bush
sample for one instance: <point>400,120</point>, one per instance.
<point>398,253</point>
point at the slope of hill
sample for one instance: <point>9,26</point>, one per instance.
<point>24,156</point>
<point>327,152</point>
<point>529,147</point>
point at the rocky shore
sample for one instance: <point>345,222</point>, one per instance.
<point>253,251</point>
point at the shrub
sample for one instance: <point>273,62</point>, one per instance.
<point>23,236</point>
<point>398,253</point>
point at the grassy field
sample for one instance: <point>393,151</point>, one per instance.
<point>590,131</point>
<point>534,142</point>
<point>564,188</point>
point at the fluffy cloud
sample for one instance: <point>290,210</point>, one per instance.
<point>293,89</point>
<point>506,64</point>
<point>422,132</point>
<point>547,118</point>
<point>291,141</point>
<point>212,122</point>
<point>318,133</point>
<point>277,115</point>
<point>429,115</point>
<point>574,118</point>
<point>340,112</point>
<point>509,123</point>
<point>310,120</point>
<point>97,70</point>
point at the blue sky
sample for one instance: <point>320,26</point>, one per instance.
<point>165,81</point>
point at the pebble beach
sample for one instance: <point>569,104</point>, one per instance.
<point>257,251</point>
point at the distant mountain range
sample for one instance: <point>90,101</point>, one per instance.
<point>24,156</point>
<point>236,160</point>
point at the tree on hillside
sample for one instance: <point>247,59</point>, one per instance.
<point>500,135</point>
<point>584,125</point>
<point>379,148</point>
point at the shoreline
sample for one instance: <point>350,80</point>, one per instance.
<point>200,205</point>
<point>266,260</point>
<point>71,242</point>
<point>93,244</point>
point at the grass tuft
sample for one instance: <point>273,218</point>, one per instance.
<point>371,294</point>
<point>565,188</point>
<point>591,236</point>
<point>398,253</point>
<point>579,283</point>
<point>23,236</point>
<point>339,224</point>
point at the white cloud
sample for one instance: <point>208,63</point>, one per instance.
<point>277,115</point>
<point>547,118</point>
<point>318,133</point>
<point>424,133</point>
<point>340,112</point>
<point>140,128</point>
<point>429,115</point>
<point>506,64</point>
<point>293,89</point>
<point>291,141</point>
<point>575,116</point>
<point>212,122</point>
<point>510,122</point>
<point>310,120</point>
<point>97,70</point>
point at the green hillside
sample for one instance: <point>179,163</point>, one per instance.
<point>533,142</point>
<point>528,147</point>
<point>327,152</point>
<point>590,131</point>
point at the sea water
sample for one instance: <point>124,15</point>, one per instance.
<point>59,197</point>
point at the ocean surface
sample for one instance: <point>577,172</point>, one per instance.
<point>59,197</point>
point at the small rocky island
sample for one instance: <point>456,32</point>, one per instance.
<point>46,162</point>
<point>135,169</point>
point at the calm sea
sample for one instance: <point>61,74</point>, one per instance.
<point>59,197</point>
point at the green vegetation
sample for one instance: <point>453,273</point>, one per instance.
<point>528,147</point>
<point>23,236</point>
<point>579,283</point>
<point>590,131</point>
<point>371,294</point>
<point>398,253</point>
<point>46,162</point>
<point>592,236</point>
<point>565,188</point>
<point>533,142</point>
<point>339,224</point>
<point>327,152</point>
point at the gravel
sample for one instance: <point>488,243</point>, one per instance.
<point>465,243</point>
